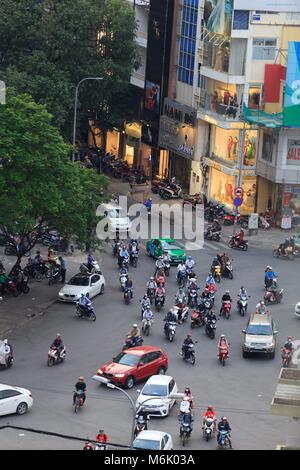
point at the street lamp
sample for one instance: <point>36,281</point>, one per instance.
<point>135,410</point>
<point>75,110</point>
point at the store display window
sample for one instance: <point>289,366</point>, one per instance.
<point>254,97</point>
<point>249,187</point>
<point>221,188</point>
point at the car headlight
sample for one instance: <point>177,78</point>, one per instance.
<point>247,345</point>
<point>61,294</point>
<point>269,345</point>
<point>119,376</point>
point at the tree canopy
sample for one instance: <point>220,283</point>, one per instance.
<point>38,183</point>
<point>47,47</point>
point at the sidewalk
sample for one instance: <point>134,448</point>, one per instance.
<point>16,312</point>
<point>264,238</point>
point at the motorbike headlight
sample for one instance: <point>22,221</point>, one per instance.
<point>61,294</point>
<point>119,376</point>
<point>100,372</point>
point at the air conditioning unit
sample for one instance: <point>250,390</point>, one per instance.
<point>256,18</point>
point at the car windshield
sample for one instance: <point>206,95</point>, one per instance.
<point>127,359</point>
<point>115,213</point>
<point>171,245</point>
<point>146,444</point>
<point>155,390</point>
<point>260,330</point>
<point>79,281</point>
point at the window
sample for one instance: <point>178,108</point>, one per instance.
<point>188,41</point>
<point>241,19</point>
<point>9,393</point>
<point>267,148</point>
<point>155,355</point>
<point>264,49</point>
<point>95,279</point>
<point>146,359</point>
<point>171,386</point>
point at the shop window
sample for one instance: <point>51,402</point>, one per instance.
<point>241,19</point>
<point>249,187</point>
<point>250,149</point>
<point>254,97</point>
<point>264,49</point>
<point>129,155</point>
<point>267,148</point>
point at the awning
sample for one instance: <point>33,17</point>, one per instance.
<point>260,118</point>
<point>133,129</point>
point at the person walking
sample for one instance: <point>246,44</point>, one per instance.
<point>63,269</point>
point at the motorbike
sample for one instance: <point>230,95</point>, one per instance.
<point>10,288</point>
<point>183,311</point>
<point>192,200</point>
<point>193,298</point>
<point>54,357</point>
<point>230,218</point>
<point>37,271</point>
<point>242,305</point>
<point>208,429</point>
<point>273,297</point>
<point>241,245</point>
<point>286,356</point>
<point>212,212</point>
<point>55,275</point>
<point>123,279</point>
<point>185,428</point>
<point>189,353</point>
<point>169,192</point>
<point>289,254</point>
<point>9,360</point>
<point>78,400</point>
<point>228,270</point>
<point>167,268</point>
<point>207,305</point>
<point>147,327</point>
<point>151,294</point>
<point>82,311</point>
<point>23,286</point>
<point>197,319</point>
<point>223,440</point>
<point>170,330</point>
<point>134,259</point>
<point>10,250</point>
<point>85,269</point>
<point>123,262</point>
<point>223,354</point>
<point>127,295</point>
<point>216,272</point>
<point>158,185</point>
<point>182,278</point>
<point>213,236</point>
<point>210,328</point>
<point>226,309</point>
<point>116,247</point>
<point>159,302</point>
<point>212,289</point>
<point>132,343</point>
<point>141,425</point>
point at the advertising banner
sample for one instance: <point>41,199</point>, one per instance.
<point>268,5</point>
<point>291,112</point>
<point>218,16</point>
<point>293,152</point>
<point>177,138</point>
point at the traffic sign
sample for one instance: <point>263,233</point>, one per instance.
<point>239,192</point>
<point>238,201</point>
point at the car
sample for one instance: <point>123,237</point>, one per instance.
<point>156,247</point>
<point>260,335</point>
<point>297,309</point>
<point>153,440</point>
<point>92,284</point>
<point>14,400</point>
<point>135,364</point>
<point>160,387</point>
<point>117,220</point>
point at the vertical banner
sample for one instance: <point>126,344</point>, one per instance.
<point>218,16</point>
<point>291,112</point>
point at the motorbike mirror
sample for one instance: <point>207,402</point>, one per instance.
<point>275,332</point>
<point>138,390</point>
<point>243,331</point>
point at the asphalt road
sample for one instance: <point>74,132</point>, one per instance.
<point>242,390</point>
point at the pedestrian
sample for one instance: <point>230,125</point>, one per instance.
<point>63,269</point>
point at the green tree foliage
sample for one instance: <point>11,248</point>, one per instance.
<point>47,47</point>
<point>38,184</point>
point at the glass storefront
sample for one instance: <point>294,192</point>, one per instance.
<point>113,142</point>
<point>249,187</point>
<point>129,155</point>
<point>226,143</point>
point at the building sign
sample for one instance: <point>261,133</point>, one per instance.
<point>152,97</point>
<point>179,112</point>
<point>218,16</point>
<point>177,138</point>
<point>293,152</point>
<point>291,112</point>
<point>268,5</point>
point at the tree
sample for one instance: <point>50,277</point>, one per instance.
<point>47,47</point>
<point>38,183</point>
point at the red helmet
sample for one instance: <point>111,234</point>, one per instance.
<point>189,335</point>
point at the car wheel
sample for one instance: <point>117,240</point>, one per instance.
<point>129,382</point>
<point>245,354</point>
<point>22,408</point>
<point>102,289</point>
<point>161,371</point>
<point>272,355</point>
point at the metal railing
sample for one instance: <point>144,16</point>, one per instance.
<point>208,103</point>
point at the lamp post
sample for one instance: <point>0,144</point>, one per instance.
<point>75,110</point>
<point>135,410</point>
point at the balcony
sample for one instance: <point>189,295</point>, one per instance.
<point>210,109</point>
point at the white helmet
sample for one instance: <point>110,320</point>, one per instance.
<point>5,341</point>
<point>134,325</point>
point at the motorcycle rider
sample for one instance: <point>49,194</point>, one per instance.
<point>214,228</point>
<point>274,289</point>
<point>80,386</point>
<point>283,247</point>
<point>171,317</point>
<point>148,204</point>
<point>223,425</point>
<point>159,264</point>
<point>90,261</point>
<point>166,258</point>
<point>210,280</point>
<point>123,271</point>
<point>216,262</point>
<point>134,334</point>
<point>133,246</point>
<point>145,302</point>
<point>269,276</point>
<point>226,298</point>
<point>190,263</point>
<point>129,286</point>
<point>261,308</point>
<point>151,285</point>
<point>88,446</point>
<point>210,414</point>
<point>238,238</point>
<point>288,344</point>
<point>181,271</point>
<point>205,294</point>
<point>123,255</point>
<point>188,340</point>
<point>86,303</point>
<point>180,295</point>
<point>211,316</point>
<point>102,438</point>
<point>58,344</point>
<point>242,293</point>
<point>147,316</point>
<point>223,343</point>
<point>188,394</point>
<point>160,292</point>
<point>5,352</point>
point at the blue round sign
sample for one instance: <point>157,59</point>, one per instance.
<point>238,201</point>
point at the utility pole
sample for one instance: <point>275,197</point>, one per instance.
<point>240,166</point>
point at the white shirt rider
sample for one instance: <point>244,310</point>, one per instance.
<point>181,268</point>
<point>147,315</point>
<point>190,263</point>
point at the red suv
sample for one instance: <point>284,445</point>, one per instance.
<point>135,364</point>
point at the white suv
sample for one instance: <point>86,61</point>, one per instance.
<point>117,220</point>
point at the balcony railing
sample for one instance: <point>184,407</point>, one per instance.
<point>210,104</point>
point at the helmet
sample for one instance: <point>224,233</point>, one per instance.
<point>5,341</point>
<point>147,307</point>
<point>242,230</point>
<point>134,325</point>
<point>189,257</point>
<point>81,379</point>
<point>187,390</point>
<point>224,418</point>
<point>152,278</point>
<point>161,257</point>
<point>289,338</point>
<point>101,431</point>
<point>145,296</point>
<point>262,302</point>
<point>227,292</point>
<point>242,287</point>
<point>58,335</point>
<point>211,408</point>
<point>222,336</point>
<point>189,335</point>
<point>270,267</point>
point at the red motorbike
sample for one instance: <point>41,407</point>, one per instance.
<point>11,288</point>
<point>193,200</point>
<point>223,354</point>
<point>286,356</point>
<point>226,309</point>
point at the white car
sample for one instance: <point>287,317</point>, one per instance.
<point>116,219</point>
<point>14,400</point>
<point>92,284</point>
<point>297,309</point>
<point>153,440</point>
<point>155,395</point>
